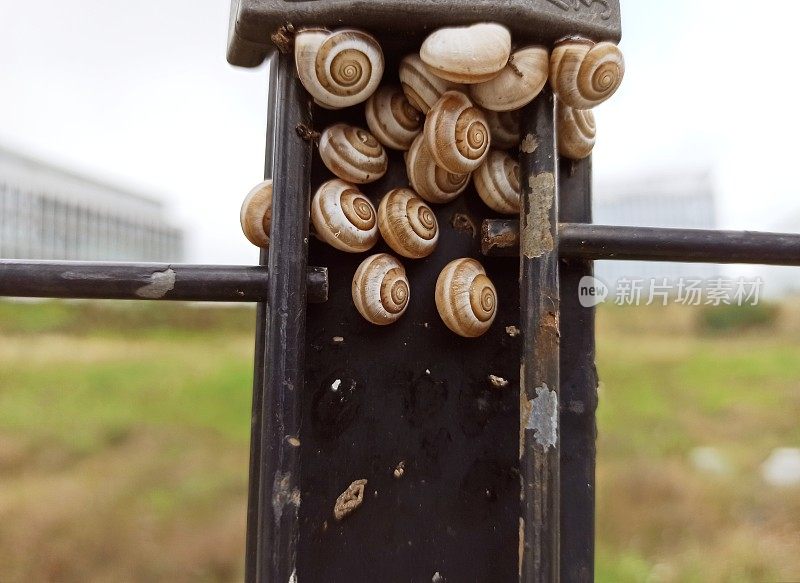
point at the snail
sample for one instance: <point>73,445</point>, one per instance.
<point>380,289</point>
<point>504,128</point>
<point>466,298</point>
<point>585,74</point>
<point>340,68</point>
<point>497,183</point>
<point>407,224</point>
<point>392,119</point>
<point>429,181</point>
<point>352,154</point>
<point>256,214</point>
<point>522,79</point>
<point>457,134</point>
<point>467,54</point>
<point>421,87</point>
<point>576,131</point>
<point>343,217</point>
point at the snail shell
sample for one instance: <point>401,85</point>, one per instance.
<point>457,133</point>
<point>352,154</point>
<point>340,68</point>
<point>407,224</point>
<point>522,79</point>
<point>421,87</point>
<point>392,119</point>
<point>380,289</point>
<point>584,74</point>
<point>432,183</point>
<point>466,298</point>
<point>467,54</point>
<point>576,131</point>
<point>344,218</point>
<point>504,128</point>
<point>497,183</point>
<point>256,214</point>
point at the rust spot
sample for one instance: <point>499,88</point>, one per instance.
<point>307,133</point>
<point>349,500</point>
<point>513,331</point>
<point>464,224</point>
<point>536,237</point>
<point>550,323</point>
<point>283,38</point>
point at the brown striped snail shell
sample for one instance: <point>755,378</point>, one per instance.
<point>467,54</point>
<point>380,289</point>
<point>504,128</point>
<point>340,68</point>
<point>256,214</point>
<point>343,217</point>
<point>352,154</point>
<point>392,119</point>
<point>407,224</point>
<point>576,131</point>
<point>466,298</point>
<point>421,87</point>
<point>457,133</point>
<point>585,74</point>
<point>431,182</point>
<point>497,183</point>
<point>520,81</point>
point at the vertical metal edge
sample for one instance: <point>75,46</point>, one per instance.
<point>259,360</point>
<point>539,302</point>
<point>578,388</point>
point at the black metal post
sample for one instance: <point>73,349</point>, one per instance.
<point>539,382</point>
<point>578,388</point>
<point>145,281</point>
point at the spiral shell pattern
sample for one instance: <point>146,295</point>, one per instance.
<point>520,81</point>
<point>392,119</point>
<point>421,87</point>
<point>344,218</point>
<point>576,130</point>
<point>584,74</point>
<point>431,182</point>
<point>353,154</point>
<point>466,298</point>
<point>407,224</point>
<point>340,68</point>
<point>504,128</point>
<point>256,214</point>
<point>497,183</point>
<point>380,289</point>
<point>467,54</point>
<point>457,133</point>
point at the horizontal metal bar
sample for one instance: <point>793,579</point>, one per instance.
<point>599,242</point>
<point>145,281</point>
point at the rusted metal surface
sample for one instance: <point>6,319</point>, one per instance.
<point>539,536</point>
<point>405,23</point>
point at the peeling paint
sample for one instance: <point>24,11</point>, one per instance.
<point>161,283</point>
<point>349,500</point>
<point>529,145</point>
<point>536,236</point>
<point>524,410</point>
<point>498,382</point>
<point>543,417</point>
<point>521,544</point>
<point>283,495</point>
<point>293,576</point>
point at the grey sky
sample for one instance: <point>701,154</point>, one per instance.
<point>139,93</point>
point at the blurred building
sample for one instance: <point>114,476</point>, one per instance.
<point>50,213</point>
<point>680,199</point>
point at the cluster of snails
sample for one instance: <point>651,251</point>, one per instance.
<point>455,117</point>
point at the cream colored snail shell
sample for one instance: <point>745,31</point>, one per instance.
<point>584,74</point>
<point>504,129</point>
<point>421,87</point>
<point>344,218</point>
<point>340,68</point>
<point>576,131</point>
<point>407,224</point>
<point>520,81</point>
<point>467,54</point>
<point>432,183</point>
<point>497,183</point>
<point>256,214</point>
<point>352,154</point>
<point>466,298</point>
<point>457,133</point>
<point>380,289</point>
<point>392,119</point>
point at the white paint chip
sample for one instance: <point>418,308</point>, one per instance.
<point>543,419</point>
<point>336,384</point>
<point>161,283</point>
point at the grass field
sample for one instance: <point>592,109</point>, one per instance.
<point>124,444</point>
